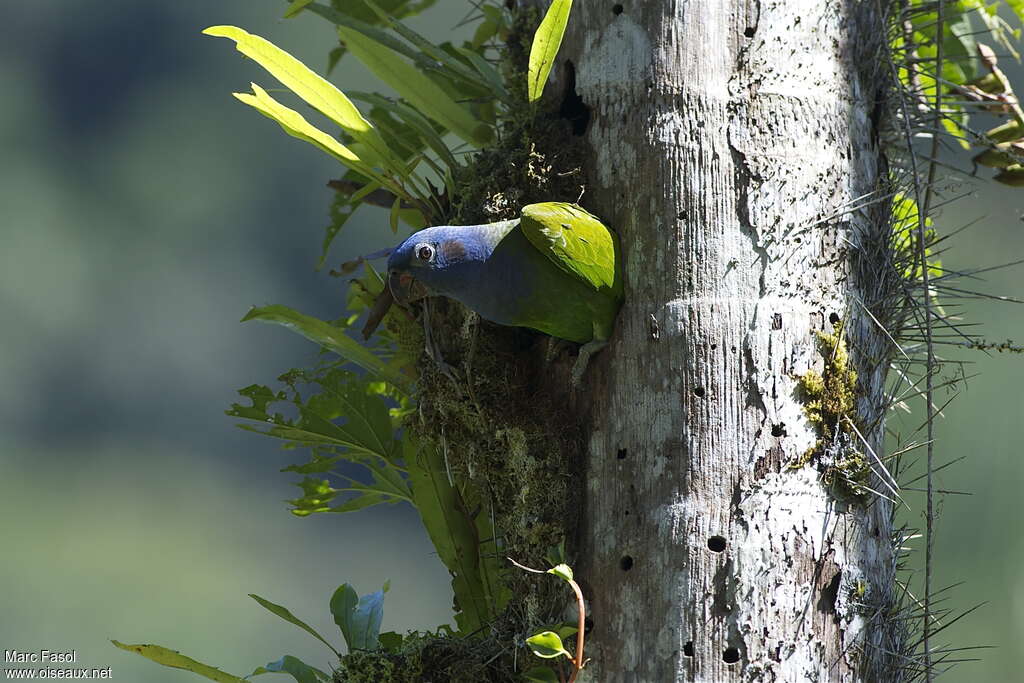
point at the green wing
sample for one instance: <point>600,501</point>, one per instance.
<point>575,241</point>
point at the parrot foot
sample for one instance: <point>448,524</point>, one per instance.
<point>583,359</point>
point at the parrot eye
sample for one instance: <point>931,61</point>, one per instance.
<point>425,252</point>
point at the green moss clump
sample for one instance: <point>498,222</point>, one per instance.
<point>830,404</point>
<point>428,658</point>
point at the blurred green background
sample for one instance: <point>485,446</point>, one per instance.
<point>142,212</point>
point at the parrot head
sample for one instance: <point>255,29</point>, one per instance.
<point>433,261</point>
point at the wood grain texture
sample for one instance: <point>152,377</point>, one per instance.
<point>727,142</point>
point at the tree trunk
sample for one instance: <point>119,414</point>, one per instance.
<point>728,142</point>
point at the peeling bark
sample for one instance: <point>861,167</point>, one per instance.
<point>728,141</point>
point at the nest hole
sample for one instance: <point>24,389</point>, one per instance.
<point>573,109</point>
<point>716,544</point>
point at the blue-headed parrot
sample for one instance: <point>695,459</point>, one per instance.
<point>554,269</point>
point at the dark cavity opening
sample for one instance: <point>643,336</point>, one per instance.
<point>778,429</point>
<point>573,108</point>
<point>749,32</point>
<point>688,649</point>
<point>626,563</point>
<point>833,317</point>
<point>698,392</point>
<point>621,455</point>
<point>731,655</point>
<point>716,544</point>
<point>617,9</point>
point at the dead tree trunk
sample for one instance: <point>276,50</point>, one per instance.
<point>729,143</point>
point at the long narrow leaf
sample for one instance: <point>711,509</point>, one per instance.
<point>318,92</point>
<point>546,42</point>
<point>176,660</point>
<point>286,614</point>
<point>486,71</point>
<point>415,87</point>
<point>453,534</point>
<point>451,66</point>
<point>330,337</point>
<point>293,123</point>
<point>415,120</point>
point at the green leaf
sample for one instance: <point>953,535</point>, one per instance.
<point>331,337</point>
<point>562,571</point>
<point>546,42</point>
<point>414,120</point>
<point>348,419</point>
<point>390,641</point>
<point>454,535</point>
<point>299,670</point>
<point>297,126</point>
<point>416,88</point>
<point>359,618</point>
<point>490,75</point>
<point>540,674</point>
<point>343,206</point>
<point>432,55</point>
<point>176,660</point>
<point>286,614</point>
<point>548,645</point>
<point>393,216</point>
<point>311,87</point>
<point>295,7</point>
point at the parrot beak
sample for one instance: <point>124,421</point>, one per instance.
<point>405,287</point>
<point>380,308</point>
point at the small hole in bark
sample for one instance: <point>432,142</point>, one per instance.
<point>834,317</point>
<point>688,649</point>
<point>626,563</point>
<point>681,215</point>
<point>778,429</point>
<point>731,655</point>
<point>749,32</point>
<point>714,346</point>
<point>716,544</point>
<point>621,455</point>
<point>875,532</point>
<point>588,625</point>
<point>617,9</point>
<point>698,392</point>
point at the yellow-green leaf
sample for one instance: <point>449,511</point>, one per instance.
<point>546,42</point>
<point>547,645</point>
<point>296,125</point>
<point>415,87</point>
<point>176,660</point>
<point>318,92</point>
<point>562,571</point>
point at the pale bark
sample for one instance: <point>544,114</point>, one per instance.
<point>727,142</point>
